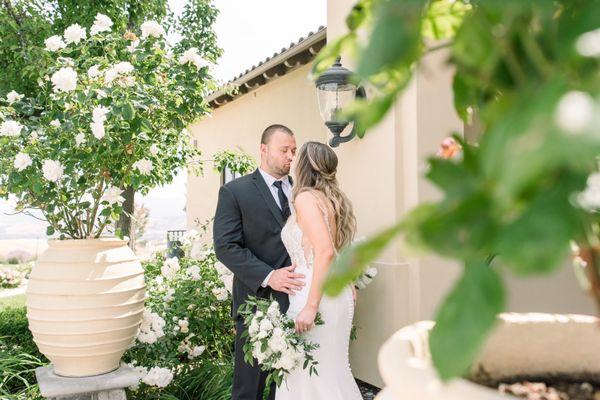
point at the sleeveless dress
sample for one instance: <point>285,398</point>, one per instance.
<point>334,380</point>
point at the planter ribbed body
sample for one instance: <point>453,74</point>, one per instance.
<point>85,301</point>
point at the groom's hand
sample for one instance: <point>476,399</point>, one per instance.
<point>286,280</point>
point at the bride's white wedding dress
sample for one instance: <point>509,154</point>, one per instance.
<point>334,380</point>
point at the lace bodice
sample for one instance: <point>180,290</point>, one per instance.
<point>300,252</point>
<point>298,246</point>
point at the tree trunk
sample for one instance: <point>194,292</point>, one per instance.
<point>125,221</point>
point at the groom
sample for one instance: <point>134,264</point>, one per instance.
<point>247,236</point>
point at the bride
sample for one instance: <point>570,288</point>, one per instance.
<point>321,223</point>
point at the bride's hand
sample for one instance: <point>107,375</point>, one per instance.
<point>306,319</point>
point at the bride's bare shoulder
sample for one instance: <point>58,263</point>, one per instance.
<point>305,198</point>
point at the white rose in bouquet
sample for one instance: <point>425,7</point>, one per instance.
<point>273,341</point>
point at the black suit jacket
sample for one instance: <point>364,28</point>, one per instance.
<point>247,237</point>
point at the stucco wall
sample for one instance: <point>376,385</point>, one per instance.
<point>383,176</point>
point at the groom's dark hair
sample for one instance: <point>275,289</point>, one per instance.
<point>270,130</point>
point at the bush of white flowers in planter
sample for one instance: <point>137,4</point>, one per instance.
<point>187,323</point>
<point>110,114</point>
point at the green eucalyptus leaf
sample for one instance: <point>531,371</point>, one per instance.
<point>465,318</point>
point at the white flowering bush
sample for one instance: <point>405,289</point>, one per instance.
<point>187,324</point>
<point>10,278</point>
<point>110,113</point>
<point>273,342</point>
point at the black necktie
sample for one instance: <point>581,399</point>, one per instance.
<point>283,200</point>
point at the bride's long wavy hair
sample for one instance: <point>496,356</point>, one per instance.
<point>316,166</point>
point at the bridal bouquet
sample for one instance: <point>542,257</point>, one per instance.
<point>273,340</point>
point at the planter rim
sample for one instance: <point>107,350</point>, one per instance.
<point>107,241</point>
<point>406,353</point>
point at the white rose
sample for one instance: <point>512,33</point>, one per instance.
<point>228,282</point>
<point>191,56</point>
<point>574,112</point>
<point>147,337</point>
<point>110,75</point>
<point>10,128</point>
<point>126,81</point>
<point>74,34</point>
<point>123,67</point>
<point>54,43</point>
<point>102,23</point>
<point>266,325</point>
<point>22,161</point>
<point>588,44</point>
<point>98,129</point>
<point>94,71</point>
<point>52,170</point>
<point>184,325</point>
<point>154,149</point>
<point>65,79</point>
<point>13,96</point>
<point>152,28</point>
<point>194,272</point>
<point>112,195</point>
<point>159,377</point>
<point>254,327</point>
<point>144,166</point>
<point>170,267</point>
<point>277,343</point>
<point>196,351</point>
<point>101,94</point>
<point>79,139</point>
<point>99,113</point>
<point>220,293</point>
<point>55,123</point>
<point>589,199</point>
<point>273,311</point>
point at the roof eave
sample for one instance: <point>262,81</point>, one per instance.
<point>280,64</point>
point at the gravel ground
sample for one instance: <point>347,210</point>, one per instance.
<point>368,391</point>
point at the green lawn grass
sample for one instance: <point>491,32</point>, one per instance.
<point>12,302</point>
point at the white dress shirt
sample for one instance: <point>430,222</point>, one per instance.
<point>286,186</point>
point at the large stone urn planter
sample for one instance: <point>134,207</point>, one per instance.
<point>85,301</point>
<point>522,345</point>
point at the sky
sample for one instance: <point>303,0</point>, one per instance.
<point>248,32</point>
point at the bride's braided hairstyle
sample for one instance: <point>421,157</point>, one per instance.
<point>316,166</point>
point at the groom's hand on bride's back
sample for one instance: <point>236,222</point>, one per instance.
<point>286,280</point>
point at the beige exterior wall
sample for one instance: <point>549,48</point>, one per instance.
<point>383,176</point>
<point>289,100</point>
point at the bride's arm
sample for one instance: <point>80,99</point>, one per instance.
<point>313,225</point>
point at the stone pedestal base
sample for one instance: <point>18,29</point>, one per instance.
<point>109,386</point>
